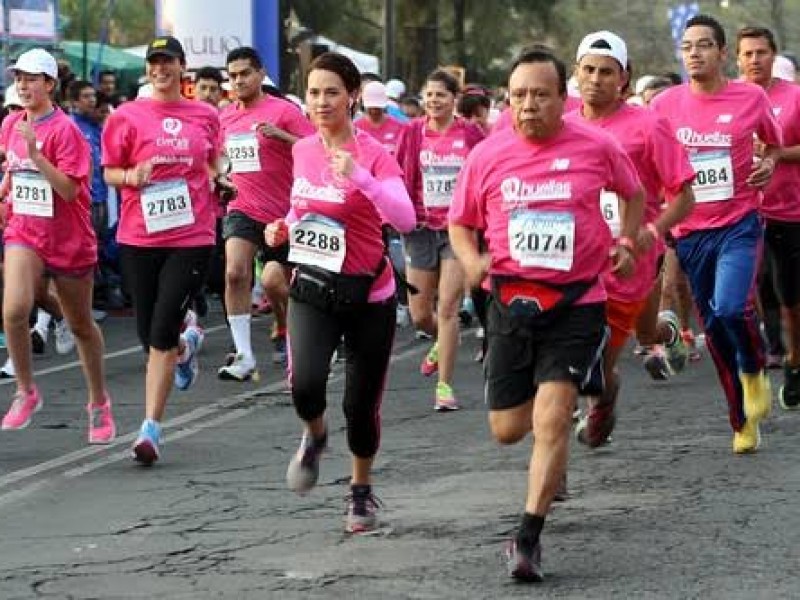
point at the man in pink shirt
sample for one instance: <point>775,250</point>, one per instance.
<point>376,122</point>
<point>756,51</point>
<point>258,132</point>
<point>718,246</point>
<point>534,190</point>
<point>662,165</point>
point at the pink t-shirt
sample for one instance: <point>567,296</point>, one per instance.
<point>180,138</point>
<point>440,158</point>
<point>387,133</point>
<point>65,240</point>
<point>717,131</point>
<point>261,167</point>
<point>663,169</point>
<point>539,203</point>
<point>343,206</point>
<point>781,199</point>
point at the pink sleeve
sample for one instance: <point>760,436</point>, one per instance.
<point>389,196</point>
<point>624,179</point>
<point>669,157</point>
<point>73,155</point>
<point>466,209</point>
<point>297,124</point>
<point>115,142</point>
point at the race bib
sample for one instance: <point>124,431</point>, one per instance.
<point>438,185</point>
<point>166,205</point>
<point>714,179</point>
<point>609,206</point>
<point>242,150</point>
<point>318,241</point>
<point>31,194</point>
<point>542,239</point>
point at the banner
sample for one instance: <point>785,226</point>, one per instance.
<point>35,19</point>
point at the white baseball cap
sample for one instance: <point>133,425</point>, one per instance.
<point>604,43</point>
<point>374,95</point>
<point>783,68</point>
<point>11,96</point>
<point>35,62</point>
<point>395,89</point>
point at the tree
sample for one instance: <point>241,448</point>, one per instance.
<point>125,22</point>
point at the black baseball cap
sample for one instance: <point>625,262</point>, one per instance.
<point>165,45</point>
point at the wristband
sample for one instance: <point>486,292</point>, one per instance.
<point>627,243</point>
<point>651,227</point>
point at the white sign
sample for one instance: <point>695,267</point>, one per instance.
<point>208,29</point>
<point>32,19</point>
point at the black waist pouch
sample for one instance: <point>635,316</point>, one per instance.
<point>328,291</point>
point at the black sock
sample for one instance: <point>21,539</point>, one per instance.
<point>529,531</point>
<point>361,489</point>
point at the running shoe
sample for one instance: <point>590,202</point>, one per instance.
<point>480,333</point>
<point>190,319</point>
<point>402,316</point>
<point>422,335</point>
<point>430,364</point>
<point>362,509</point>
<point>279,356</point>
<point>656,364</point>
<point>2,340</point>
<point>147,447</point>
<point>303,471</point>
<point>687,335</point>
<point>445,400</point>
<point>757,394</point>
<point>748,438</point>
<point>38,340</point>
<point>7,371</point>
<point>789,395</point>
<point>23,407</point>
<point>640,350</point>
<point>65,341</point>
<point>239,370</point>
<point>102,429</point>
<point>596,426</point>
<point>187,369</point>
<point>522,565</point>
<point>676,352</point>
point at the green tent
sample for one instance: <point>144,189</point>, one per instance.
<point>127,66</point>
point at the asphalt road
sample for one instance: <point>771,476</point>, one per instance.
<point>665,511</point>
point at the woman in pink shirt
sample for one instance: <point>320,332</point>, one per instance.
<point>431,152</point>
<point>159,152</point>
<point>49,233</point>
<point>345,186</point>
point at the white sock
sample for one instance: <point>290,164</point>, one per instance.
<point>43,319</point>
<point>240,330</point>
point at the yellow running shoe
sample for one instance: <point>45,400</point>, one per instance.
<point>757,395</point>
<point>748,439</point>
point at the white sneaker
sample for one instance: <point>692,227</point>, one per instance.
<point>190,320</point>
<point>65,341</point>
<point>7,371</point>
<point>239,370</point>
<point>403,318</point>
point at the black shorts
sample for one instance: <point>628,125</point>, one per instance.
<point>519,356</point>
<point>236,224</point>
<point>783,239</point>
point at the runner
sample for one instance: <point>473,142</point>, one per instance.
<point>49,234</point>
<point>535,192</point>
<point>159,151</point>
<point>345,186</point>
<point>376,122</point>
<point>431,153</point>
<point>259,131</point>
<point>756,51</point>
<point>603,75</point>
<point>719,244</point>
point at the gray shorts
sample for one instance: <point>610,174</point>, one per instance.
<point>426,248</point>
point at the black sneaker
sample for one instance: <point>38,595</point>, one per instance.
<point>37,341</point>
<point>789,394</point>
<point>523,566</point>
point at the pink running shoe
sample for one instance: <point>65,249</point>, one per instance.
<point>102,429</point>
<point>430,364</point>
<point>24,406</point>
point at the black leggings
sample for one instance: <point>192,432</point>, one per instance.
<point>368,336</point>
<point>162,283</point>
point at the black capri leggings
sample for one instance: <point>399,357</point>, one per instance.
<point>368,336</point>
<point>162,283</point>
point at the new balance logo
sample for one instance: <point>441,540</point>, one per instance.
<point>724,118</point>
<point>560,164</point>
